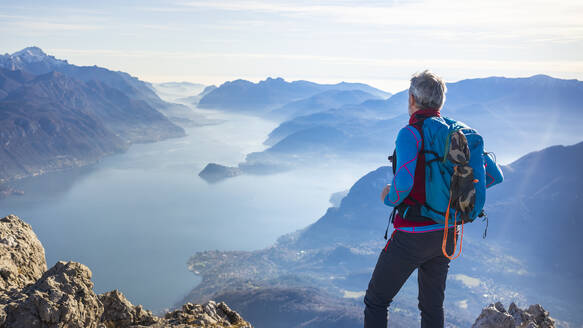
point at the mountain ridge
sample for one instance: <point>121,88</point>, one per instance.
<point>501,109</point>
<point>55,116</point>
<point>43,63</point>
<point>266,95</point>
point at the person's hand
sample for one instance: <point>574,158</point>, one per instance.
<point>385,192</point>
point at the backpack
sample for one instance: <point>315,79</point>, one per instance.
<point>455,175</point>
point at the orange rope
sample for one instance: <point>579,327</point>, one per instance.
<point>461,239</point>
<point>445,232</point>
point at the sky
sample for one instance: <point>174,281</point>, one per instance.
<point>381,43</point>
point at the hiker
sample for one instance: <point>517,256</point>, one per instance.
<point>420,240</point>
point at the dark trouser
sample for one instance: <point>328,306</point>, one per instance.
<point>404,253</point>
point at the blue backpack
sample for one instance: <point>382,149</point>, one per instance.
<point>455,176</point>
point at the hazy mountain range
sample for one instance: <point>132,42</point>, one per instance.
<point>320,102</point>
<point>540,198</point>
<point>34,61</point>
<point>55,115</point>
<point>529,255</point>
<point>512,114</point>
<point>270,94</point>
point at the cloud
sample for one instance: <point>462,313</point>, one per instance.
<point>516,64</point>
<point>36,26</point>
<point>462,304</point>
<point>496,18</point>
<point>419,13</point>
<point>468,281</point>
<point>71,20</point>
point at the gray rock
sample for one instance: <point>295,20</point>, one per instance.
<point>119,312</point>
<point>62,297</point>
<point>496,316</point>
<point>493,317</point>
<point>22,256</point>
<point>519,315</point>
<point>500,307</point>
<point>209,314</point>
<point>541,316</point>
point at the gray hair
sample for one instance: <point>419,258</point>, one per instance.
<point>428,90</point>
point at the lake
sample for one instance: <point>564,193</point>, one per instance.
<point>135,218</point>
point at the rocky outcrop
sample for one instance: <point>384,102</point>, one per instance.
<point>496,316</point>
<point>22,256</point>
<point>119,312</point>
<point>63,296</point>
<point>209,314</point>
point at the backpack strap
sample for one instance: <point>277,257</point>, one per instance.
<point>484,215</point>
<point>393,160</point>
<point>436,159</point>
<point>445,232</point>
<point>433,210</point>
<point>391,220</point>
<point>413,206</point>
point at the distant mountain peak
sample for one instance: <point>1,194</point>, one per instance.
<point>541,76</point>
<point>30,56</point>
<point>32,53</point>
<point>278,80</point>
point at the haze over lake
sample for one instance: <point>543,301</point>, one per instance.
<point>136,218</point>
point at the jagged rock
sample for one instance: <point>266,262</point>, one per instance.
<point>209,314</point>
<point>492,317</point>
<point>22,256</point>
<point>500,307</point>
<point>496,316</point>
<point>62,297</point>
<point>119,312</point>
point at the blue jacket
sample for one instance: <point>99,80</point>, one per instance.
<point>408,146</point>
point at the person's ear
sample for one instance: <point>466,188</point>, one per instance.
<point>411,100</point>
